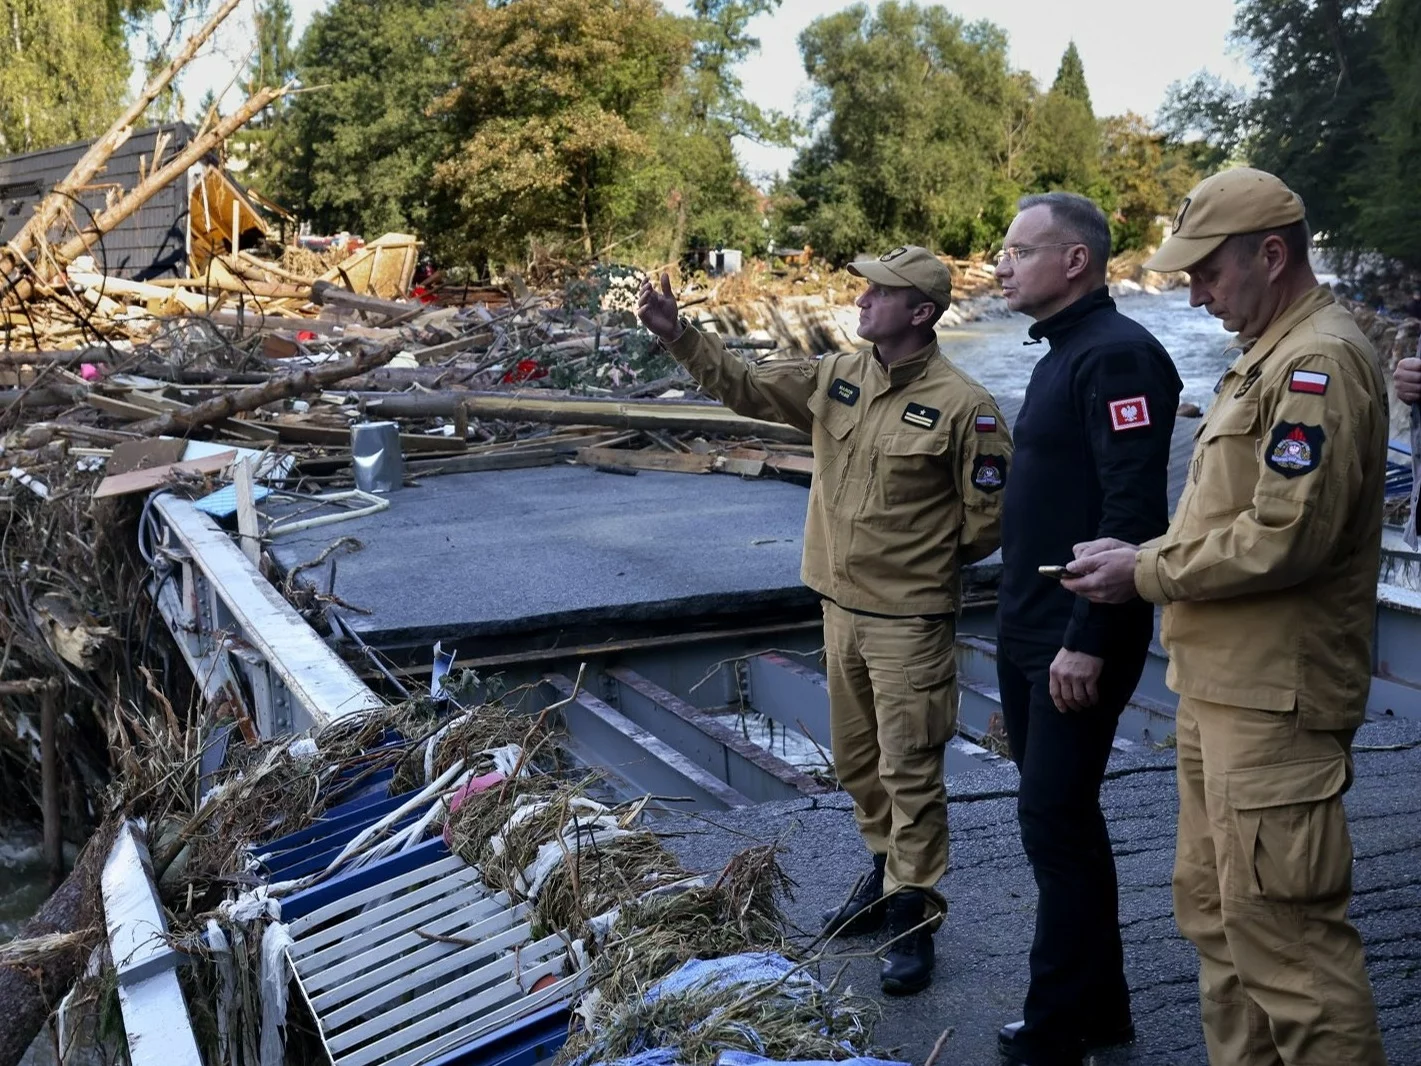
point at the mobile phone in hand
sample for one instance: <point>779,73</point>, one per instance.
<point>1058,572</point>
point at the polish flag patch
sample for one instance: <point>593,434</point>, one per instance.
<point>1133,412</point>
<point>986,423</point>
<point>1308,381</point>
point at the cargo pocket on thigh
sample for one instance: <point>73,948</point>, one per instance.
<point>1291,830</point>
<point>931,716</point>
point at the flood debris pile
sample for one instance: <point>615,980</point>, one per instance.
<point>687,965</point>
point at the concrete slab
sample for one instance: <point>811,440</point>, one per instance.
<point>982,950</point>
<point>517,551</point>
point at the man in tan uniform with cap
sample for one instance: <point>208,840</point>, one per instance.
<point>910,457</point>
<point>1268,574</point>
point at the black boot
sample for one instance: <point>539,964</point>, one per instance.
<point>863,911</point>
<point>908,963</point>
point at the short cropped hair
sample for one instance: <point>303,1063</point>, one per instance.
<point>1078,217</point>
<point>1296,238</point>
<point>917,296</point>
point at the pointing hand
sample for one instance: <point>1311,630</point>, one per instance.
<point>657,310</point>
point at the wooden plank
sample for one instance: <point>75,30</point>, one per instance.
<point>675,462</point>
<point>157,476</point>
<point>248,529</point>
<point>333,436</point>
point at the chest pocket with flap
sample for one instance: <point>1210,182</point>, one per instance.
<point>913,465</point>
<point>1224,469</point>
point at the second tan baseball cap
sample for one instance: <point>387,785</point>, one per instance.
<point>909,266</point>
<point>1242,200</point>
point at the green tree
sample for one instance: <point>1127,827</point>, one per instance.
<point>710,198</point>
<point>1070,78</point>
<point>1310,121</point>
<point>1145,178</point>
<point>273,62</point>
<point>555,112</point>
<point>1063,139</point>
<point>64,67</point>
<point>1384,189</point>
<point>359,150</point>
<point>913,117</point>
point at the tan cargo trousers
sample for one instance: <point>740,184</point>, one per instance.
<point>892,709</point>
<point>1262,879</point>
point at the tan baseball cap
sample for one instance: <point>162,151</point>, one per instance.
<point>909,266</point>
<point>1242,200</point>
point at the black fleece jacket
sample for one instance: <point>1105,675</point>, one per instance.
<point>1091,460</point>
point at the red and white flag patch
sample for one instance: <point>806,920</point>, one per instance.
<point>986,423</point>
<point>1308,381</point>
<point>1132,412</point>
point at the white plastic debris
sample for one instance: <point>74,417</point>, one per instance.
<point>305,748</point>
<point>252,904</point>
<point>275,981</point>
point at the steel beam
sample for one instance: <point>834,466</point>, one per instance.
<point>155,1018</point>
<point>232,625</point>
<point>644,761</point>
<point>793,695</point>
<point>715,747</point>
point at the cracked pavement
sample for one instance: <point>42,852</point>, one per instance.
<point>982,948</point>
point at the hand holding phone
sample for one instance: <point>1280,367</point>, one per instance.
<point>1058,572</point>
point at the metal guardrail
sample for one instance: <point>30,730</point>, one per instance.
<point>240,638</point>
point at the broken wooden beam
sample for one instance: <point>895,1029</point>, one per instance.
<point>68,358</point>
<point>281,387</point>
<point>583,411</point>
<point>328,294</point>
<point>637,459</point>
<point>62,197</point>
<point>45,396</point>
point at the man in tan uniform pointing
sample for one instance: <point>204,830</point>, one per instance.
<point>910,457</point>
<point>1268,574</point>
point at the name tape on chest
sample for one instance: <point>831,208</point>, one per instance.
<point>1308,381</point>
<point>986,423</point>
<point>1133,412</point>
<point>915,414</point>
<point>989,472</point>
<point>842,391</point>
<point>1294,449</point>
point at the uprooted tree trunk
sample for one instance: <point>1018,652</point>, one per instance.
<point>53,206</point>
<point>30,992</point>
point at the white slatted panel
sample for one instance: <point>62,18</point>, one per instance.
<point>421,963</point>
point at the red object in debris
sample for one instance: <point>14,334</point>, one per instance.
<point>304,335</point>
<point>423,295</point>
<point>526,370</point>
<point>473,788</point>
<point>543,982</point>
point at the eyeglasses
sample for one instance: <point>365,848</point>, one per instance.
<point>1016,253</point>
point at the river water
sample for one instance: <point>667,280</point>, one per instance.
<point>990,349</point>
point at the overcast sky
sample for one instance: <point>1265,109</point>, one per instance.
<point>1132,50</point>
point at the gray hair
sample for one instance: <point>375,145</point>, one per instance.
<point>1080,218</point>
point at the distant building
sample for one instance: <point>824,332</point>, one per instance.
<point>169,236</point>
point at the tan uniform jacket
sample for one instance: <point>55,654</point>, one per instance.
<point>1269,567</point>
<point>909,464</point>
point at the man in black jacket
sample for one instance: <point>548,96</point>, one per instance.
<point>1092,455</point>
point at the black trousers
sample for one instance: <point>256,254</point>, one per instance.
<point>1077,963</point>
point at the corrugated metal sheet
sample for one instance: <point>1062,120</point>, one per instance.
<point>150,244</point>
